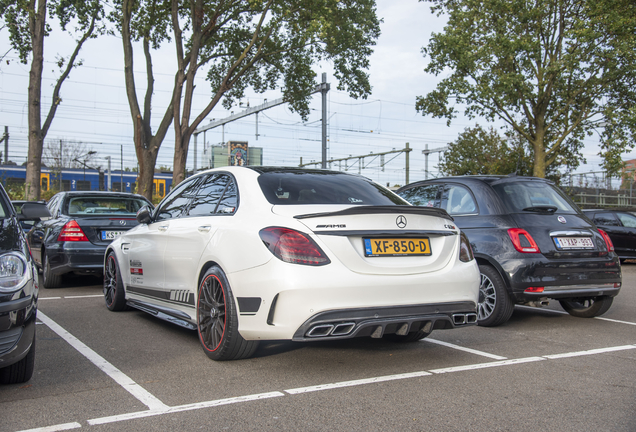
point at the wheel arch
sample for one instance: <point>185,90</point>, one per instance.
<point>488,260</point>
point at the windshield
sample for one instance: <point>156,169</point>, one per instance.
<point>527,196</point>
<point>104,206</point>
<point>306,188</point>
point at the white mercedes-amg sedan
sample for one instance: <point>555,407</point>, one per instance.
<point>244,254</point>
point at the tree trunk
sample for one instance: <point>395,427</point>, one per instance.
<point>539,154</point>
<point>180,157</point>
<point>34,161</point>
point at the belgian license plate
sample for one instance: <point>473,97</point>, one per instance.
<point>111,235</point>
<point>374,247</point>
<point>574,242</point>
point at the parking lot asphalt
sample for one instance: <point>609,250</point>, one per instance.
<point>543,370</point>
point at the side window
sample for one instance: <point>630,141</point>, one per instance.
<point>178,200</point>
<point>607,219</point>
<point>423,196</point>
<point>627,220</point>
<point>229,201</point>
<point>458,200</point>
<point>53,204</point>
<point>208,196</point>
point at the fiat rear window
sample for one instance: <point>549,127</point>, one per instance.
<point>523,195</point>
<point>306,188</point>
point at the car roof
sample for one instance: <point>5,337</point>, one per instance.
<point>101,193</point>
<point>490,179</point>
<point>274,169</point>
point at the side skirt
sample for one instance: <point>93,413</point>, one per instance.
<point>173,316</point>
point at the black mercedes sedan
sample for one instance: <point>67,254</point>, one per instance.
<point>621,228</point>
<point>82,225</point>
<point>18,292</point>
<point>532,244</point>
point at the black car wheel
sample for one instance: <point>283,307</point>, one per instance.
<point>21,371</point>
<point>217,319</point>
<point>114,294</point>
<point>49,279</point>
<point>495,306</point>
<point>587,307</point>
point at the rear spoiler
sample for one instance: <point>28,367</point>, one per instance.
<point>385,209</point>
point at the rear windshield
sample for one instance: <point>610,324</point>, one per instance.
<point>526,195</point>
<point>104,206</point>
<point>303,188</point>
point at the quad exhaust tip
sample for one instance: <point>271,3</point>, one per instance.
<point>324,330</point>
<point>463,319</point>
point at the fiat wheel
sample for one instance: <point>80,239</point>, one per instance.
<point>217,319</point>
<point>494,306</point>
<point>587,307</point>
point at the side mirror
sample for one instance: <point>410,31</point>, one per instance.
<point>34,212</point>
<point>144,215</point>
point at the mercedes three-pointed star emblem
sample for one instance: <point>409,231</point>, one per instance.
<point>401,221</point>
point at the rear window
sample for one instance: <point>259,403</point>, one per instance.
<point>518,196</point>
<point>104,206</point>
<point>306,188</point>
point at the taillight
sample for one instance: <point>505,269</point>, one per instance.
<point>523,241</point>
<point>292,246</point>
<point>465,251</point>
<point>608,241</point>
<point>72,232</point>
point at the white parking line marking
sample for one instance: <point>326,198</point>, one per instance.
<point>49,298</point>
<point>565,313</point>
<point>589,352</point>
<point>487,365</point>
<point>461,348</point>
<point>85,296</point>
<point>60,427</point>
<point>357,382</point>
<point>180,408</point>
<point>120,378</point>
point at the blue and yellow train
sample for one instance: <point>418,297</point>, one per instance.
<point>71,179</point>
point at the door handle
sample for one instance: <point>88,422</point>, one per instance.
<point>204,228</point>
<point>162,228</point>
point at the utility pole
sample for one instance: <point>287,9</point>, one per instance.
<point>324,88</point>
<point>426,152</point>
<point>121,185</point>
<point>109,187</point>
<point>5,138</point>
<point>61,165</point>
<point>407,150</point>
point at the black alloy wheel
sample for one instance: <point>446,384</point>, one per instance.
<point>217,319</point>
<point>114,294</point>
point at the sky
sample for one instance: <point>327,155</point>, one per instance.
<point>94,108</point>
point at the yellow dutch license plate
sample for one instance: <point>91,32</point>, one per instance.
<point>374,247</point>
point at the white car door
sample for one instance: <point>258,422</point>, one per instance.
<point>189,234</point>
<point>147,245</point>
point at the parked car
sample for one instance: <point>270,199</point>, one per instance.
<point>82,225</point>
<point>17,206</point>
<point>18,292</point>
<point>243,254</point>
<point>621,228</point>
<point>532,243</point>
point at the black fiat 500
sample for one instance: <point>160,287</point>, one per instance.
<point>18,292</point>
<point>531,241</point>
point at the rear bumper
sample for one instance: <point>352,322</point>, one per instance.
<point>376,322</point>
<point>563,278</point>
<point>83,259</point>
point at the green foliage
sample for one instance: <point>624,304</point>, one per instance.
<point>480,151</point>
<point>78,13</point>
<point>555,71</point>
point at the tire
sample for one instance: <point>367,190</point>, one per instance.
<point>49,279</point>
<point>114,294</point>
<point>495,306</point>
<point>587,307</point>
<point>217,319</point>
<point>21,371</point>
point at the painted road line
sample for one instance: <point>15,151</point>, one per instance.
<point>120,378</point>
<point>590,352</point>
<point>616,321</point>
<point>49,298</point>
<point>84,296</point>
<point>55,428</point>
<point>468,350</point>
<point>357,382</point>
<point>181,408</point>
<point>487,365</point>
<point>565,313</point>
